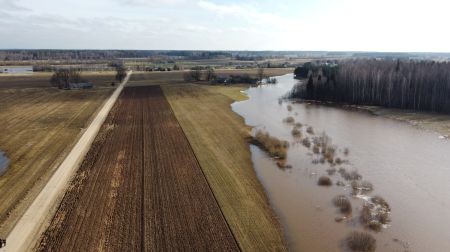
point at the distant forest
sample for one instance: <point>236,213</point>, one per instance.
<point>416,85</point>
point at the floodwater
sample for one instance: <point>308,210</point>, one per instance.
<point>4,163</point>
<point>409,167</point>
<point>16,69</point>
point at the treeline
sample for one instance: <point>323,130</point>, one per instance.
<point>20,55</point>
<point>416,85</point>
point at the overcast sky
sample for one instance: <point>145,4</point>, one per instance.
<point>344,25</point>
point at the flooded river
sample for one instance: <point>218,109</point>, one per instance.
<point>408,167</point>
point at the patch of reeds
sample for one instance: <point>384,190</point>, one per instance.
<point>343,203</point>
<point>375,215</point>
<point>361,241</point>
<point>273,146</point>
<point>340,183</point>
<point>346,151</point>
<point>324,181</point>
<point>331,171</point>
<point>306,142</point>
<point>361,187</point>
<point>378,200</point>
<point>316,149</point>
<point>296,133</point>
<point>353,175</point>
<point>289,120</point>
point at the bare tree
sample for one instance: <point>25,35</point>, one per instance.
<point>121,72</point>
<point>210,74</point>
<point>260,74</point>
<point>193,75</point>
<point>62,78</point>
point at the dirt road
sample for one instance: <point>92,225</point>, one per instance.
<point>28,228</point>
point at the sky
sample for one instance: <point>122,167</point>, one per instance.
<point>297,25</point>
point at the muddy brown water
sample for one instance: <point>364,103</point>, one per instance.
<point>408,166</point>
<point>4,163</point>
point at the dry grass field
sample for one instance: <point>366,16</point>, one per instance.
<point>38,126</point>
<point>219,138</point>
<point>41,80</point>
<point>140,188</point>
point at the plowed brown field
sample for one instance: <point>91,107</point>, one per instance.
<point>140,188</point>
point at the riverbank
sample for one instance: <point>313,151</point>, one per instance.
<point>439,123</point>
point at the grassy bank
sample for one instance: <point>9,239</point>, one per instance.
<point>219,139</point>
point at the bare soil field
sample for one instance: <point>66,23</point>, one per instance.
<point>41,80</point>
<point>219,139</point>
<point>140,188</point>
<point>38,126</point>
<point>176,77</point>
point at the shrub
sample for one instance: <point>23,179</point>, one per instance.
<point>331,171</point>
<point>360,241</point>
<point>343,203</point>
<point>340,183</point>
<point>380,201</point>
<point>274,146</point>
<point>316,149</point>
<point>310,130</point>
<point>296,133</point>
<point>298,125</point>
<point>289,108</point>
<point>306,142</point>
<point>324,181</point>
<point>374,216</point>
<point>289,119</point>
<point>346,151</point>
<point>361,187</point>
<point>353,175</point>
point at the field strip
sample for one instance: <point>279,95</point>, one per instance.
<point>140,188</point>
<point>27,229</point>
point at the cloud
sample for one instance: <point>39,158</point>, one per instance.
<point>151,2</point>
<point>11,5</point>
<point>249,14</point>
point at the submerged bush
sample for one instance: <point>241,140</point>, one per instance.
<point>343,203</point>
<point>289,119</point>
<point>306,142</point>
<point>360,241</point>
<point>324,181</point>
<point>374,215</point>
<point>275,147</point>
<point>361,187</point>
<point>331,171</point>
<point>346,151</point>
<point>380,201</point>
<point>353,175</point>
<point>316,149</point>
<point>296,133</point>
